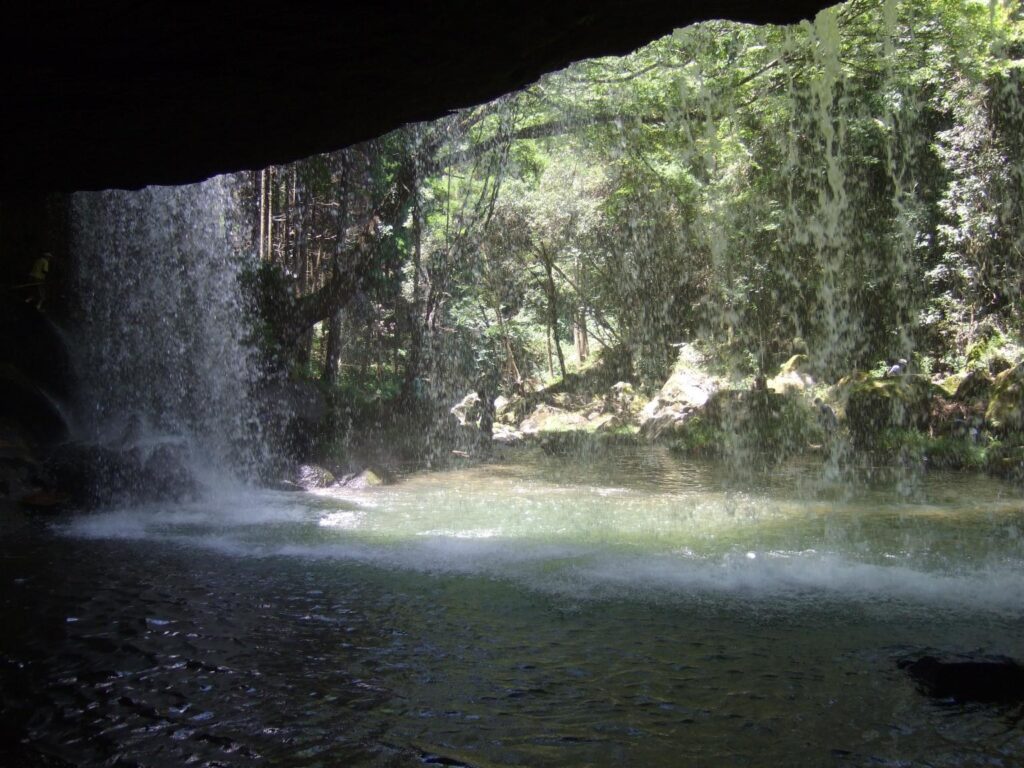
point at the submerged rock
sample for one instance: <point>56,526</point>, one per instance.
<point>990,680</point>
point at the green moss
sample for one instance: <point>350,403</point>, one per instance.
<point>1004,459</point>
<point>698,437</point>
<point>750,423</point>
<point>1006,408</point>
<point>910,447</point>
<point>874,405</point>
<point>954,453</point>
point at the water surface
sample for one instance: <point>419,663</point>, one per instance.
<point>631,609</point>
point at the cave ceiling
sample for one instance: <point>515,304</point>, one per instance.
<point>124,94</point>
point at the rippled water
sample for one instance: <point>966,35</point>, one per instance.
<point>630,610</point>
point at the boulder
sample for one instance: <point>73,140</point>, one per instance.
<point>27,409</point>
<point>548,418</point>
<point>506,435</point>
<point>1006,461</point>
<point>92,474</point>
<point>510,411</point>
<point>1006,407</point>
<point>313,476</point>
<point>791,376</point>
<point>986,680</point>
<point>468,410</point>
<point>606,422</point>
<point>686,392</point>
<point>751,425</point>
<point>877,404</point>
<point>363,480</point>
<point>975,385</point>
<point>292,413</point>
<point>166,474</point>
<point>622,400</point>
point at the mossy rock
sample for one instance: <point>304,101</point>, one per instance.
<point>954,453</point>
<point>952,383</point>
<point>698,437</point>
<point>792,376</point>
<point>751,423</point>
<point>975,385</point>
<point>795,364</point>
<point>546,418</point>
<point>1006,406</point>
<point>1006,461</point>
<point>580,442</point>
<point>314,476</point>
<point>899,402</point>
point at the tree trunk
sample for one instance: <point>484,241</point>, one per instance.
<point>551,360</point>
<point>269,213</point>
<point>579,334</point>
<point>332,356</point>
<point>261,247</point>
<point>547,259</point>
<point>417,319</point>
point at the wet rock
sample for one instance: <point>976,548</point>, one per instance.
<point>989,680</point>
<point>28,409</point>
<point>92,474</point>
<point>363,480</point>
<point>166,474</point>
<point>285,485</point>
<point>292,413</point>
<point>44,499</point>
<point>19,465</point>
<point>314,476</point>
<point>32,345</point>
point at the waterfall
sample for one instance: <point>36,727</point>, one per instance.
<point>160,336</point>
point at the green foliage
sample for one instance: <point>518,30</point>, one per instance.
<point>267,293</point>
<point>854,182</point>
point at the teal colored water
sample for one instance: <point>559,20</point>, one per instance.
<point>631,609</point>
